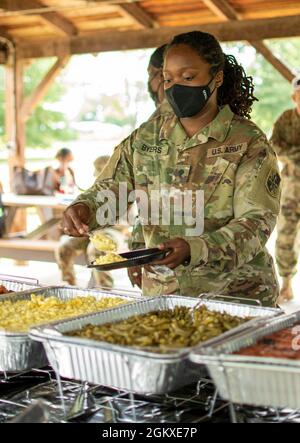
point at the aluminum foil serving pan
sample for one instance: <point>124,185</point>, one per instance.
<point>123,367</point>
<point>17,351</point>
<point>16,284</point>
<point>258,381</point>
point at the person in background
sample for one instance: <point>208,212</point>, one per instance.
<point>64,177</point>
<point>157,93</point>
<point>70,247</point>
<point>156,82</point>
<point>209,144</point>
<point>286,142</point>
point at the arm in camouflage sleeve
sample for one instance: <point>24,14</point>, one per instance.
<point>286,153</point>
<point>256,204</point>
<point>118,170</point>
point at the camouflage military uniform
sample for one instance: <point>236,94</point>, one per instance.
<point>286,142</point>
<point>163,108</point>
<point>137,239</point>
<point>69,248</point>
<point>232,162</point>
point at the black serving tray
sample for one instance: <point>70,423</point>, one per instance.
<point>139,257</point>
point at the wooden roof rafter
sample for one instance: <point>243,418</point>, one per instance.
<point>137,14</point>
<point>5,34</point>
<point>42,28</point>
<point>54,19</point>
<point>224,10</point>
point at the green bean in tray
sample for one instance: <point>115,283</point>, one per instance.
<point>173,328</point>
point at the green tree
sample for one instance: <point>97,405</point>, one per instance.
<point>45,125</point>
<point>272,90</point>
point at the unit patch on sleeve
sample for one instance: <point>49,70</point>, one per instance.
<point>273,183</point>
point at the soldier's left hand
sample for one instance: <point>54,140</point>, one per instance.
<point>180,253</point>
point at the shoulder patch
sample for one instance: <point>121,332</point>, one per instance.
<point>273,183</point>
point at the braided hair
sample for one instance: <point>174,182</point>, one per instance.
<point>237,88</point>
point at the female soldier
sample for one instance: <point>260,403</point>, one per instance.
<point>209,144</point>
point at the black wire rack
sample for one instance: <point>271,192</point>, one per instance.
<point>71,401</point>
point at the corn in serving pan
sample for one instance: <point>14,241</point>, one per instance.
<point>17,351</point>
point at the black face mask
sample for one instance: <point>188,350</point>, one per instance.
<point>188,101</point>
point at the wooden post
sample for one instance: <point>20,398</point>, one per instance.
<point>15,126</point>
<point>17,113</point>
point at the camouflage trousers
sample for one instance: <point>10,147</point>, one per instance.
<point>69,248</point>
<point>287,246</point>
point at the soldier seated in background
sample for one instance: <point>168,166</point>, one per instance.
<point>71,247</point>
<point>64,177</point>
<point>286,142</point>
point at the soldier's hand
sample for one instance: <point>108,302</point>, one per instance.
<point>180,253</point>
<point>75,220</point>
<point>135,275</point>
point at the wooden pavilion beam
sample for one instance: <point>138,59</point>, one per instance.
<point>282,68</point>
<point>134,12</point>
<point>52,18</point>
<point>30,102</point>
<point>271,58</point>
<point>5,40</point>
<point>224,10</point>
<point>150,38</point>
<point>5,34</point>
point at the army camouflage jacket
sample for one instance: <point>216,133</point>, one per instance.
<point>137,239</point>
<point>233,163</point>
<point>286,141</point>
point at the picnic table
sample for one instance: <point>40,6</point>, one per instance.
<point>56,205</point>
<point>39,244</point>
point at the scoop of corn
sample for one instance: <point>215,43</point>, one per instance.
<point>102,243</point>
<point>108,258</point>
